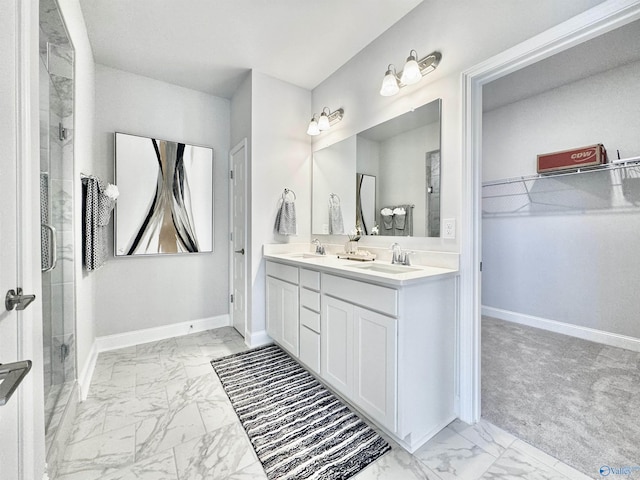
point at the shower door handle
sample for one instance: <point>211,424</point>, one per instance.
<point>53,249</point>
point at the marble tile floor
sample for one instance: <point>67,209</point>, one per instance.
<point>157,411</point>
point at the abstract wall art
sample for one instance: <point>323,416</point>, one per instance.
<point>166,197</point>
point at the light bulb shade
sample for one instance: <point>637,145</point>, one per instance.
<point>389,84</point>
<point>313,128</point>
<point>411,72</point>
<point>323,122</point>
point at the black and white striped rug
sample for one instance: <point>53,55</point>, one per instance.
<point>297,427</point>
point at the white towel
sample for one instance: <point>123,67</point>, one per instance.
<point>399,211</point>
<point>387,218</point>
<point>336,224</point>
<point>286,218</point>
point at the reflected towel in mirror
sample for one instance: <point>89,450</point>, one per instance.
<point>336,224</point>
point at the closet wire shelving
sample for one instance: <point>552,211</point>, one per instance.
<point>613,187</point>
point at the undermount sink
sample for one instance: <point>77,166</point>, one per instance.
<point>387,268</point>
<point>306,255</point>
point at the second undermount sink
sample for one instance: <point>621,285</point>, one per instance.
<point>387,268</point>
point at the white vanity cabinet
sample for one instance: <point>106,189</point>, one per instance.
<point>283,316</point>
<point>359,357</point>
<point>386,346</point>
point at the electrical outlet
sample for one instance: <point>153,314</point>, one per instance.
<point>449,228</point>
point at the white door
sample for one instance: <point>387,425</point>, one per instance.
<point>336,332</point>
<point>376,365</point>
<point>21,419</point>
<point>238,187</point>
<point>9,453</point>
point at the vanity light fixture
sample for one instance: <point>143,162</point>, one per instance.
<point>412,72</point>
<point>324,122</point>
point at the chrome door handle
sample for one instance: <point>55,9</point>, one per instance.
<point>16,299</point>
<point>241,251</point>
<point>53,250</point>
<point>11,375</point>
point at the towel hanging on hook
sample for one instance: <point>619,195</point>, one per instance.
<point>286,192</point>
<point>286,216</point>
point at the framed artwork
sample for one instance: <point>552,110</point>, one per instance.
<point>166,197</point>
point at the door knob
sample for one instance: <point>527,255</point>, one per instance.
<point>16,299</point>
<point>241,251</point>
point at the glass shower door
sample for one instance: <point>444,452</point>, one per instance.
<point>56,208</point>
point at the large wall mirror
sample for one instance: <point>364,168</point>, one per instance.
<point>384,180</point>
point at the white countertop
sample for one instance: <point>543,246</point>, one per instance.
<point>377,271</point>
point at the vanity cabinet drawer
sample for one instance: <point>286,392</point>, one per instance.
<point>310,279</point>
<point>283,272</point>
<point>373,297</point>
<point>310,319</point>
<point>310,349</point>
<point>310,299</point>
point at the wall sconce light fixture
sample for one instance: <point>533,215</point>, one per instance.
<point>324,122</point>
<point>412,72</point>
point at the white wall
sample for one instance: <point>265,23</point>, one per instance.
<point>280,158</point>
<point>138,293</point>
<point>602,108</point>
<point>466,32</point>
<point>84,161</point>
<point>573,266</point>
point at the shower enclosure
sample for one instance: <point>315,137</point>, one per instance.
<point>56,207</point>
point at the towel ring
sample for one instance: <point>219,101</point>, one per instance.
<point>286,192</point>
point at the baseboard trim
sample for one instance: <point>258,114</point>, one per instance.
<point>84,380</point>
<point>585,333</point>
<point>137,337</point>
<point>257,339</point>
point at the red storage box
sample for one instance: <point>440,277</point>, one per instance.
<point>572,159</point>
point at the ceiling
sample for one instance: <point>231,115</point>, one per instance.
<point>210,45</point>
<point>610,50</point>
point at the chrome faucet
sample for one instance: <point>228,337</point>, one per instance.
<point>320,250</point>
<point>398,256</point>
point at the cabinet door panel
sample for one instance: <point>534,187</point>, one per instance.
<point>310,348</point>
<point>274,326</point>
<point>376,366</point>
<point>290,318</point>
<point>337,344</point>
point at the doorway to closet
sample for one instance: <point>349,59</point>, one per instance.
<point>560,341</point>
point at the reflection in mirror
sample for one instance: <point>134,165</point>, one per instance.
<point>366,204</point>
<point>399,161</point>
<point>334,169</point>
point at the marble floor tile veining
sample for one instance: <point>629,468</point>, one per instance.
<point>158,412</point>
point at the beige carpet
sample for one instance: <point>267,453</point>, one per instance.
<point>576,400</point>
